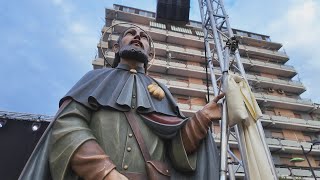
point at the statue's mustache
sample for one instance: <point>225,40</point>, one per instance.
<point>133,52</point>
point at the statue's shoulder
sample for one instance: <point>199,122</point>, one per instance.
<point>98,72</point>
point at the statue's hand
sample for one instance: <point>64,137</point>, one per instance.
<point>115,175</point>
<point>212,110</point>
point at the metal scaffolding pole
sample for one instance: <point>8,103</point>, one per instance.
<point>216,28</point>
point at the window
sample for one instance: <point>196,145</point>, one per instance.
<point>240,33</point>
<point>269,112</point>
<point>180,29</point>
<point>278,134</point>
<point>297,115</point>
<point>198,101</point>
<point>116,7</point>
<point>199,33</point>
<point>316,117</point>
<point>129,10</point>
<point>317,160</point>
<point>183,100</point>
<point>150,14</point>
<point>255,36</point>
<point>285,159</point>
<point>195,24</point>
<point>182,80</point>
<point>268,39</point>
<point>307,138</point>
<point>143,13</point>
<point>154,75</point>
<point>157,25</point>
<point>204,82</point>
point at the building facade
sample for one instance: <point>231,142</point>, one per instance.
<point>289,121</point>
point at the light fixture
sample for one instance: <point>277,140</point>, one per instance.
<point>2,122</point>
<point>296,159</point>
<point>35,126</point>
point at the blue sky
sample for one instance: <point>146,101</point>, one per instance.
<point>47,46</point>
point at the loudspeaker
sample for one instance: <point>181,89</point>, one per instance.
<point>18,138</point>
<point>173,11</point>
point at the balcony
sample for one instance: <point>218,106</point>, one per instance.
<point>268,67</point>
<point>259,42</point>
<point>290,146</point>
<point>271,121</point>
<point>284,172</point>
<point>128,16</point>
<point>164,35</point>
<point>277,145</point>
<point>304,105</point>
<point>259,53</point>
<point>316,109</point>
<point>290,123</point>
<point>286,85</point>
<point>294,173</point>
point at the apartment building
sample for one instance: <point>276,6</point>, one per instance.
<point>289,121</point>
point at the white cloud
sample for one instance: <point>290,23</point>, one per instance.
<point>78,28</point>
<point>298,29</point>
<point>78,37</point>
<point>66,7</point>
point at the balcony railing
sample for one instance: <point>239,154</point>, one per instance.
<point>288,86</point>
<point>290,123</point>
<point>258,42</point>
<point>277,55</point>
<point>282,99</point>
<point>269,68</point>
<point>289,146</point>
<point>288,173</point>
<point>304,105</point>
<point>267,64</point>
<point>165,35</point>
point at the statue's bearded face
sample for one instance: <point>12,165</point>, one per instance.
<point>135,45</point>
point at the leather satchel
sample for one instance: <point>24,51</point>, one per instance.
<point>156,170</point>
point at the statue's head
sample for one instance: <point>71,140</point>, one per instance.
<point>133,44</point>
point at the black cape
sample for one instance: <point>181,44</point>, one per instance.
<point>112,88</point>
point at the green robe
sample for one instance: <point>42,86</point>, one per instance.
<point>110,129</point>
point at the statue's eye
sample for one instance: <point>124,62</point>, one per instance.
<point>130,33</point>
<point>144,36</point>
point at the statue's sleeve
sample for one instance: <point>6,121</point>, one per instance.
<point>179,157</point>
<point>70,130</point>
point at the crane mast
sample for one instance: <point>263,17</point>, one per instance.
<point>218,34</point>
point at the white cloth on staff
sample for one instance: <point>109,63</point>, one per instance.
<point>244,109</point>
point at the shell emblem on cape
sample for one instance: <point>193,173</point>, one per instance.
<point>156,91</point>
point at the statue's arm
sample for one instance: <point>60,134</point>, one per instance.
<point>74,150</point>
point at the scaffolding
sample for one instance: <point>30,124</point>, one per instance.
<point>218,34</point>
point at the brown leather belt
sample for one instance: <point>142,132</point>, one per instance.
<point>135,176</point>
